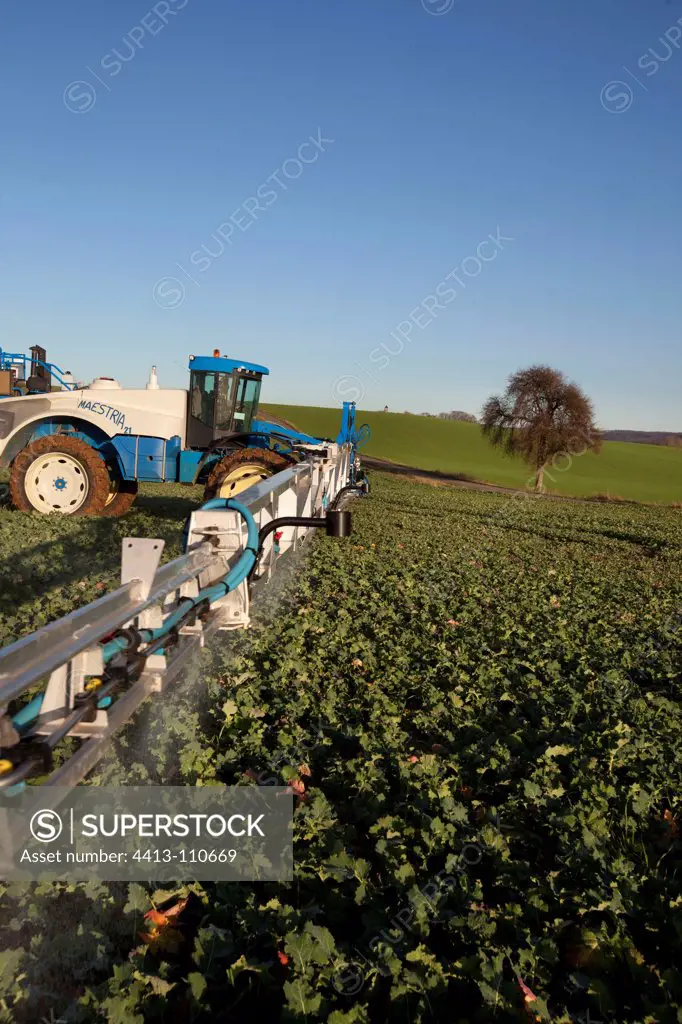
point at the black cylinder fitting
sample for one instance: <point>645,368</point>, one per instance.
<point>339,523</point>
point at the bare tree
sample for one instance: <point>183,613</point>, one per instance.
<point>540,415</point>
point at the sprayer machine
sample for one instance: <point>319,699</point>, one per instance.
<point>84,676</point>
<point>82,449</point>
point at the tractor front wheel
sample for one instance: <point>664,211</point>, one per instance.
<point>59,474</point>
<point>242,469</point>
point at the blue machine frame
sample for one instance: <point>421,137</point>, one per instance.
<point>14,360</point>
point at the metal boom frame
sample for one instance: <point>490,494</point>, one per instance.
<point>105,659</point>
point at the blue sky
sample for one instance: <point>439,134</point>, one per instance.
<point>134,131</point>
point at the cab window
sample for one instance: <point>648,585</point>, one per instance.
<point>223,402</point>
<point>248,391</point>
<point>203,396</point>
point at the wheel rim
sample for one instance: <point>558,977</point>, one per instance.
<point>113,489</point>
<point>241,478</point>
<point>56,483</point>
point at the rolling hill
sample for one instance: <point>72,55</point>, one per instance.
<point>642,472</point>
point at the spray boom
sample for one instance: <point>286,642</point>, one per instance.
<point>104,659</point>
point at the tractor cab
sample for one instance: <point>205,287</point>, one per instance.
<point>223,398</point>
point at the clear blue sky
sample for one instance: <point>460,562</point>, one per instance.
<point>446,127</point>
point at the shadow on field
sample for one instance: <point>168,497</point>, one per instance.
<point>59,560</point>
<point>165,506</point>
<point>91,546</point>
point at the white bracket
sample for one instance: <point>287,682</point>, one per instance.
<point>154,669</point>
<point>65,682</point>
<point>140,561</point>
<point>234,608</point>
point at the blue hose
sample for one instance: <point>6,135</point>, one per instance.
<point>28,713</point>
<point>112,648</point>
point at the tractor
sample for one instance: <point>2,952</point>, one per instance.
<point>83,450</point>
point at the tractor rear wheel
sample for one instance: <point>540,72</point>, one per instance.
<point>59,474</point>
<point>241,469</point>
<point>122,494</point>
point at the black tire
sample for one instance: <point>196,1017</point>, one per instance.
<point>264,462</point>
<point>125,492</point>
<point>89,464</point>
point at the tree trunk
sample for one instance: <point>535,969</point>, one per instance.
<point>540,472</point>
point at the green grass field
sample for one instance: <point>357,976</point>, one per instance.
<point>641,472</point>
